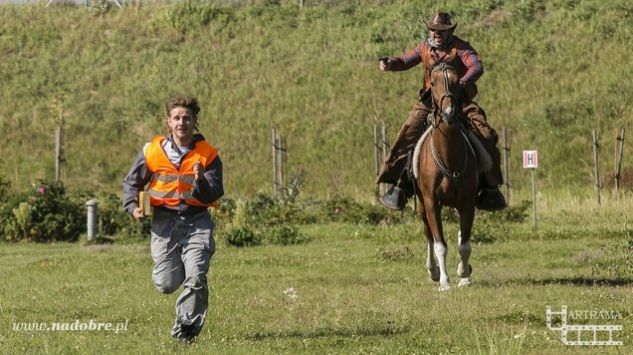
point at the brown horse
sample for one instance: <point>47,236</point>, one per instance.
<point>447,176</point>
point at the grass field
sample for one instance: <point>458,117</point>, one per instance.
<point>555,70</point>
<point>352,289</point>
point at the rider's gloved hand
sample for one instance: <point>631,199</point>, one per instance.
<point>384,63</point>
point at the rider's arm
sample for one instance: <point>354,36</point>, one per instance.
<point>406,61</point>
<point>471,60</point>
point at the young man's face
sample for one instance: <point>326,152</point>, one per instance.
<point>181,122</point>
<point>439,36</point>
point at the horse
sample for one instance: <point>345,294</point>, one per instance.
<point>446,174</point>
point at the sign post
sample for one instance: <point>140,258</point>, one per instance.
<point>530,161</point>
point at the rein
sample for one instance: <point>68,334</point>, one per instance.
<point>454,175</point>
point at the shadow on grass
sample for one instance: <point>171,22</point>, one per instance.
<point>569,281</point>
<point>328,332</point>
<point>584,281</point>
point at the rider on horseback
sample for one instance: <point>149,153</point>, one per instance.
<point>441,47</point>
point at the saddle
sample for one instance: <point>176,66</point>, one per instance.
<point>484,161</point>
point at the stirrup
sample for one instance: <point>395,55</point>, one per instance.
<point>394,198</point>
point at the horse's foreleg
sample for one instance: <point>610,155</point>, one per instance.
<point>433,215</point>
<point>440,252</point>
<point>464,269</point>
<point>431,265</point>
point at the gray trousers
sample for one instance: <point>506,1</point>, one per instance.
<point>182,247</point>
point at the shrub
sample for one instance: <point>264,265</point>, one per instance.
<point>241,237</point>
<point>511,214</point>
<point>264,210</point>
<point>286,235</point>
<point>347,210</point>
<point>44,213</point>
<point>489,225</point>
<point>113,220</point>
<point>225,212</point>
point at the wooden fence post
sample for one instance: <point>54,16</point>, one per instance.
<point>596,148</point>
<point>58,152</point>
<point>274,152</point>
<point>618,159</point>
<point>280,156</point>
<point>377,151</point>
<point>385,150</point>
<point>279,163</point>
<point>282,167</point>
<point>506,169</point>
<point>385,141</point>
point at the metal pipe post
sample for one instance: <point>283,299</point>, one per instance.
<point>534,197</point>
<point>92,218</point>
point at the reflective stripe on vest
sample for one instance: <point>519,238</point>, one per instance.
<point>172,178</point>
<point>171,186</point>
<point>170,194</point>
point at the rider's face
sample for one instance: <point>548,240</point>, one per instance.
<point>439,36</point>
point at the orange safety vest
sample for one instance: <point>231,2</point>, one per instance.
<point>170,186</point>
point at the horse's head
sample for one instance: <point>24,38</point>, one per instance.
<point>446,92</point>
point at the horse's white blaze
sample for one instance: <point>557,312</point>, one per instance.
<point>440,253</point>
<point>448,112</point>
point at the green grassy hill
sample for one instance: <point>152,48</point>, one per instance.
<point>555,70</point>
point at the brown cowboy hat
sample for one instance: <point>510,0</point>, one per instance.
<point>440,21</point>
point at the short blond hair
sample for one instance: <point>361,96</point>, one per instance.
<point>183,101</point>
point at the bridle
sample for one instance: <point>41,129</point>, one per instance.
<point>453,175</point>
<point>447,93</point>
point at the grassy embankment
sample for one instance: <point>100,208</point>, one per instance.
<point>554,71</point>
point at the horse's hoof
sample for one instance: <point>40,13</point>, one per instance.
<point>464,282</point>
<point>444,287</point>
<point>434,274</point>
<point>461,272</point>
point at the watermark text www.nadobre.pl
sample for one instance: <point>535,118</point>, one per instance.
<point>77,325</point>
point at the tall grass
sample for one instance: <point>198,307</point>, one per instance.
<point>554,71</point>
